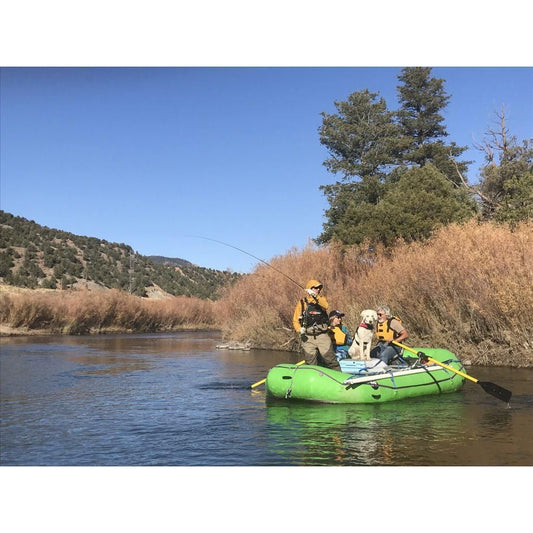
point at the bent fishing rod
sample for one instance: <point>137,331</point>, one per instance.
<point>251,255</point>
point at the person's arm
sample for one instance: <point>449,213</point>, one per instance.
<point>296,317</point>
<point>403,335</point>
<point>322,302</point>
<point>402,332</point>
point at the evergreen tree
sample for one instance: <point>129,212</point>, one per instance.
<point>361,138</point>
<point>506,188</point>
<point>6,263</point>
<point>422,99</point>
<point>364,143</point>
<point>376,152</point>
<point>423,200</point>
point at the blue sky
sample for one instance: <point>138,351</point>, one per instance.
<point>148,157</point>
<point>151,156</point>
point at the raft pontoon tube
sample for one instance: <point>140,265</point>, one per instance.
<point>360,383</point>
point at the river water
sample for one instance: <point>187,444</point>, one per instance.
<point>176,400</point>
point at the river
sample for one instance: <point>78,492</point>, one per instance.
<point>176,400</point>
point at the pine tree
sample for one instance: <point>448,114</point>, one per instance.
<point>422,100</point>
<point>364,143</point>
<point>506,188</point>
<point>373,148</point>
<point>361,138</point>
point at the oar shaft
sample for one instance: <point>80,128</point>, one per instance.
<point>263,380</point>
<point>490,388</point>
<point>444,365</point>
<point>257,383</point>
<point>453,369</point>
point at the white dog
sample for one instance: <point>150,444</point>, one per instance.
<point>360,348</point>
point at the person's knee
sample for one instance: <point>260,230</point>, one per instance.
<point>387,354</point>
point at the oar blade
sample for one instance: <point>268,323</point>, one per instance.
<point>495,390</point>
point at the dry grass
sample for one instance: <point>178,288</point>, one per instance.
<point>81,312</point>
<point>469,289</point>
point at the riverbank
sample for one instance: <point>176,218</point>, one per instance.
<point>96,312</point>
<point>7,331</point>
<point>468,354</point>
<point>469,290</point>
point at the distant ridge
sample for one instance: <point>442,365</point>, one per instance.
<point>176,261</point>
<point>35,256</point>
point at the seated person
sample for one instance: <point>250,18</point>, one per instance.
<point>341,336</point>
<point>388,328</point>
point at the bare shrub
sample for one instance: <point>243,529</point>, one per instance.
<point>469,289</point>
<point>23,311</point>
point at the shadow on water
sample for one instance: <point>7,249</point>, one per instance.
<point>225,385</point>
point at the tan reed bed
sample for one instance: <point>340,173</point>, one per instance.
<point>81,312</point>
<point>468,289</point>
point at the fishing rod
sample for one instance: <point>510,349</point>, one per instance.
<point>251,255</point>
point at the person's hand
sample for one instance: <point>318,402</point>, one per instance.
<point>311,292</point>
<point>302,330</point>
<point>423,357</point>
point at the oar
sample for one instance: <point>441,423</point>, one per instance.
<point>498,392</point>
<point>263,380</point>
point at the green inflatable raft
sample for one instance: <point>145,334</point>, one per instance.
<point>359,384</point>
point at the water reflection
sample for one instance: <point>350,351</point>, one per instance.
<point>390,433</point>
<point>497,419</point>
<point>225,385</point>
<point>177,400</point>
<point>161,344</point>
<point>109,364</point>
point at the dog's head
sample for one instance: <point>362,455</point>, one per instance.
<point>369,317</point>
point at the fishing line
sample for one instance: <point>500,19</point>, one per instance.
<point>251,255</point>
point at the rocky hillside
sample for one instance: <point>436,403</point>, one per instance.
<point>36,256</point>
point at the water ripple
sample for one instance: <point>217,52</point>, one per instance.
<point>153,401</point>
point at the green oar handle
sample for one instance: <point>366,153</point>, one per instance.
<point>422,355</point>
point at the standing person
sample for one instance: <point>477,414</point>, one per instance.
<point>311,321</point>
<point>341,336</point>
<point>389,328</point>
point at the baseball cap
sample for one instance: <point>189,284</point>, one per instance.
<point>335,313</point>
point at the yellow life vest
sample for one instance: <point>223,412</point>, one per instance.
<point>384,332</point>
<point>339,337</point>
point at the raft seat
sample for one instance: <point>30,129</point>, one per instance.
<point>363,368</point>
